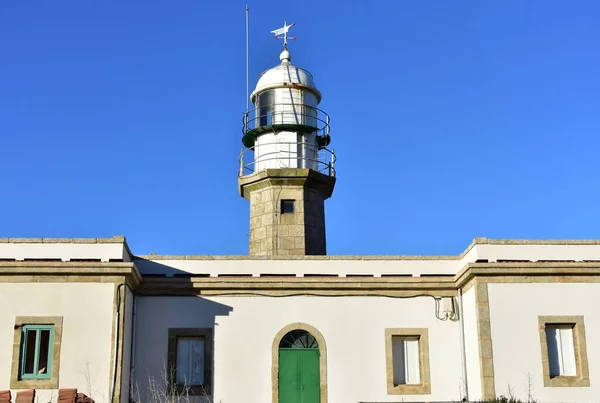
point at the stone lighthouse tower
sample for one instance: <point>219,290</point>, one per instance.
<point>286,171</point>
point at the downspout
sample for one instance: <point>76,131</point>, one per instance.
<point>117,334</point>
<point>132,343</point>
<point>463,346</point>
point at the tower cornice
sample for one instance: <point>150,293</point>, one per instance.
<point>296,177</point>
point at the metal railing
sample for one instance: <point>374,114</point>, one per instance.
<point>287,114</point>
<point>287,155</point>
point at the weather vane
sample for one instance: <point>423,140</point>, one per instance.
<point>283,31</point>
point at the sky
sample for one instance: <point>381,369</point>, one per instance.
<point>450,120</point>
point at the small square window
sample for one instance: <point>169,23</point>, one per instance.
<point>287,206</point>
<point>36,351</point>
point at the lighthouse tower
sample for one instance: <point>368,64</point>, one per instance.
<point>286,171</point>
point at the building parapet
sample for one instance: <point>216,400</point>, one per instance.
<point>113,249</point>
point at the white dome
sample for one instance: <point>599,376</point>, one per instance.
<point>285,75</point>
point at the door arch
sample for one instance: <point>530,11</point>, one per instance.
<point>299,365</point>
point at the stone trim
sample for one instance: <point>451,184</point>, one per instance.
<point>290,286</point>
<point>392,286</point>
<point>484,335</point>
<point>69,272</point>
<point>153,257</point>
<point>115,239</point>
<point>52,383</point>
<point>207,334</point>
<point>529,272</point>
<point>583,377</point>
<point>476,241</point>
<point>486,241</point>
<point>424,388</point>
<point>322,358</point>
<point>120,326</point>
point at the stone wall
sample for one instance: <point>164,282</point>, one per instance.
<point>274,233</point>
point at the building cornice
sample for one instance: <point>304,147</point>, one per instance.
<point>291,286</point>
<point>76,272</point>
<point>499,272</point>
<point>391,286</point>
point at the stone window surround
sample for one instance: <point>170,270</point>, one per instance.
<point>424,388</point>
<point>52,382</point>
<point>207,334</point>
<point>582,378</point>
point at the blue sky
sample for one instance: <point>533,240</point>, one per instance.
<point>450,120</point>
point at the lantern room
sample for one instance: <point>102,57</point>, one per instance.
<point>286,129</point>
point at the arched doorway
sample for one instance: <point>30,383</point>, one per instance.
<point>299,366</point>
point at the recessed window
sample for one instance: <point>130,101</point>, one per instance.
<point>564,351</point>
<point>407,361</point>
<point>561,350</point>
<point>405,351</point>
<point>36,351</point>
<point>287,206</point>
<point>190,360</point>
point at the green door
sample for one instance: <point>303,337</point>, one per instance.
<point>299,376</point>
<point>299,379</point>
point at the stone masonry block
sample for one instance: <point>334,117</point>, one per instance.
<point>296,230</point>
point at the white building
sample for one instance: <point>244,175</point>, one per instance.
<point>288,323</point>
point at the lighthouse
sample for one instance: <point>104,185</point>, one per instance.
<point>286,170</point>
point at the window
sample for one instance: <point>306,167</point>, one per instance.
<point>36,352</point>
<point>561,350</point>
<point>564,352</point>
<point>265,103</point>
<point>287,206</point>
<point>407,361</point>
<point>405,352</point>
<point>190,359</point>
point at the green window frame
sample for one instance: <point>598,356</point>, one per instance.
<point>37,350</point>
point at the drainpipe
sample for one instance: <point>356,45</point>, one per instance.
<point>132,343</point>
<point>117,335</point>
<point>463,346</point>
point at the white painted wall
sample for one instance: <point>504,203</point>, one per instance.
<point>64,251</point>
<point>472,345</point>
<point>497,250</point>
<point>299,267</point>
<point>514,311</point>
<point>353,328</point>
<point>87,327</point>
